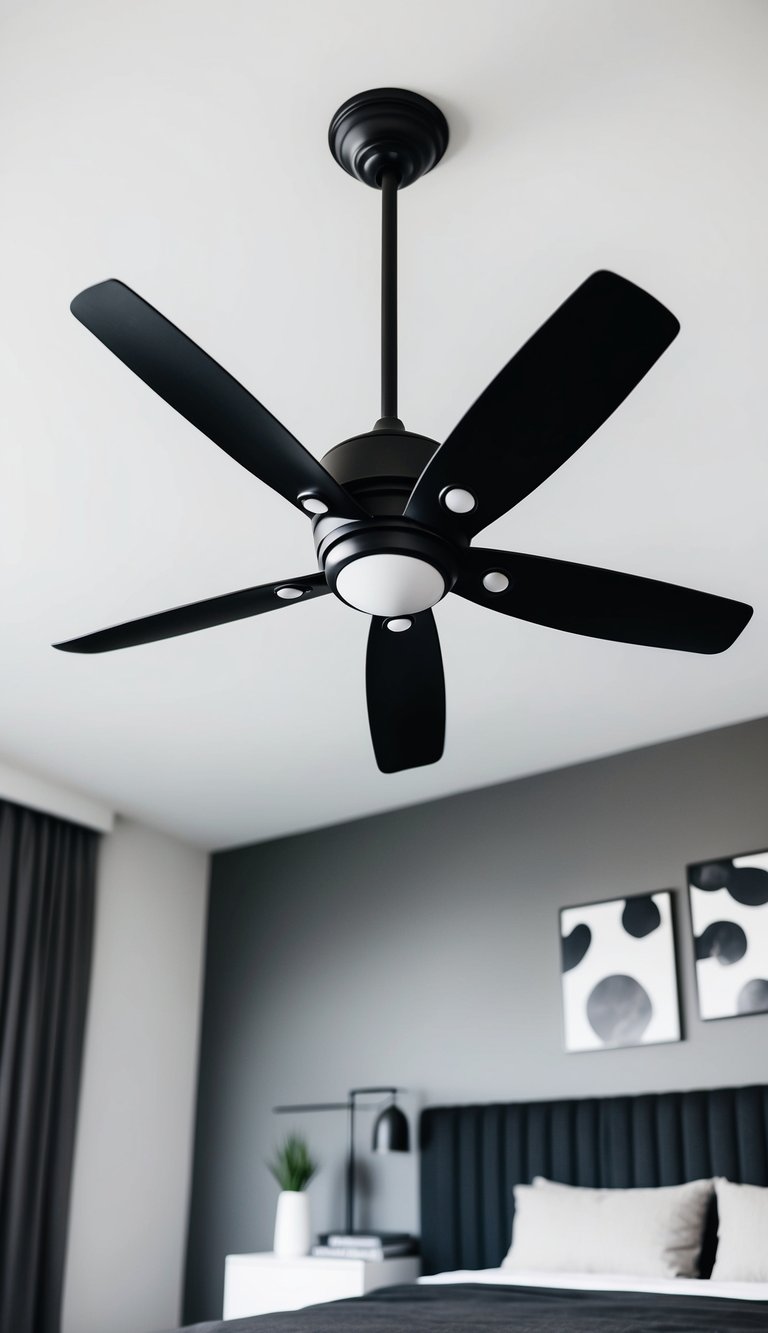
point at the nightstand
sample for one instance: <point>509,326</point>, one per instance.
<point>263,1284</point>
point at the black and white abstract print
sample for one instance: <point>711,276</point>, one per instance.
<point>619,974</point>
<point>729,911</point>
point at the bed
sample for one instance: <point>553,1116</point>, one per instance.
<point>472,1157</point>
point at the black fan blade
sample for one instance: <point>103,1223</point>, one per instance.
<point>563,384</point>
<point>405,687</point>
<point>200,615</point>
<point>601,603</point>
<point>196,386</point>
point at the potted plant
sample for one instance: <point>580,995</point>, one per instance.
<point>293,1168</point>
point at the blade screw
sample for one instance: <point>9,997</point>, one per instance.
<point>312,504</point>
<point>495,581</point>
<point>458,500</point>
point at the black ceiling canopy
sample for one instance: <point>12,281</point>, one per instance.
<point>394,513</point>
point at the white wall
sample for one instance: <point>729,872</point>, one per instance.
<point>134,1140</point>
<point>39,792</point>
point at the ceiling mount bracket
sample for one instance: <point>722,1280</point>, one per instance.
<point>388,129</point>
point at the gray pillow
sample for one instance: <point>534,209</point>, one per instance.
<point>649,1232</point>
<point>742,1233</point>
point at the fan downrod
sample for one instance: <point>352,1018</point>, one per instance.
<point>388,130</point>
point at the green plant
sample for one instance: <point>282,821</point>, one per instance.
<point>292,1166</point>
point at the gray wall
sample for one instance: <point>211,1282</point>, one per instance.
<point>421,947</point>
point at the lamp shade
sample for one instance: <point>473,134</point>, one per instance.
<point>390,1132</point>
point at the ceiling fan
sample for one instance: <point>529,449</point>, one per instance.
<point>394,513</point>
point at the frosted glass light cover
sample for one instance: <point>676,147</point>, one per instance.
<point>386,584</point>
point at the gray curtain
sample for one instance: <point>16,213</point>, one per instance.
<point>47,889</point>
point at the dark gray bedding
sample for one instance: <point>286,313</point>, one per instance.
<point>477,1308</point>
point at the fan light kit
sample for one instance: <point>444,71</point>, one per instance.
<point>394,513</point>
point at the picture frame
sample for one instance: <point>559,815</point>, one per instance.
<point>619,974</point>
<point>728,908</point>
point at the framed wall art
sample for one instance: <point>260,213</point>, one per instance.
<point>619,973</point>
<point>729,915</point>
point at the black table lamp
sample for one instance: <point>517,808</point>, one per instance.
<point>390,1131</point>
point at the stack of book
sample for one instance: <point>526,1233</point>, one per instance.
<point>364,1245</point>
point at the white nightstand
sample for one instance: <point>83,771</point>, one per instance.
<point>263,1284</point>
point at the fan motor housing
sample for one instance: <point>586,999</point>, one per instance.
<point>391,566</point>
<point>381,467</point>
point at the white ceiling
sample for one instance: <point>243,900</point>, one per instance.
<point>181,146</point>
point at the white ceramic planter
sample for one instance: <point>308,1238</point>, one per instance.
<point>292,1235</point>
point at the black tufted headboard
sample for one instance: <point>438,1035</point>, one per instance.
<point>473,1156</point>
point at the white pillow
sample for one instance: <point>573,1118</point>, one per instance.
<point>742,1233</point>
<point>654,1232</point>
